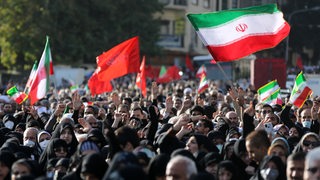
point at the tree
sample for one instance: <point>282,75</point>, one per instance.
<point>78,30</point>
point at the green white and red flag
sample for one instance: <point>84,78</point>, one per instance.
<point>232,34</point>
<point>162,72</point>
<point>300,91</point>
<point>203,85</point>
<point>267,90</point>
<point>18,97</point>
<point>41,82</point>
<point>202,70</point>
<point>274,98</point>
<point>31,77</point>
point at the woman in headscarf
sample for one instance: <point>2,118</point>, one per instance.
<point>65,131</point>
<point>307,142</point>
<point>271,168</point>
<point>199,145</point>
<point>57,148</point>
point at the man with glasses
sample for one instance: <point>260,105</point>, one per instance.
<point>203,126</point>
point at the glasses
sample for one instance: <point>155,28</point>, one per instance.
<point>266,111</point>
<point>308,143</point>
<point>61,150</point>
<point>313,170</point>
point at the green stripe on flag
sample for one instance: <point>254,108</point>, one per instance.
<point>13,90</point>
<point>221,17</point>
<point>268,86</point>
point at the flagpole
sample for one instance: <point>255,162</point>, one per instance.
<point>224,73</point>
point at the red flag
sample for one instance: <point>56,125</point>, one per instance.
<point>120,60</point>
<point>189,63</point>
<point>171,74</point>
<point>98,87</point>
<point>202,70</point>
<point>40,84</point>
<point>141,78</point>
<point>299,63</point>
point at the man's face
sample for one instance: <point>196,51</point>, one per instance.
<point>200,128</point>
<point>305,115</point>
<point>312,170</point>
<point>137,114</point>
<point>255,153</point>
<point>272,118</point>
<point>295,170</point>
<point>233,119</point>
<point>177,104</point>
<point>264,111</point>
<point>7,108</point>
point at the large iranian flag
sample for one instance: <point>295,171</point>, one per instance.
<point>236,33</point>
<point>267,90</point>
<point>300,91</point>
<point>40,83</point>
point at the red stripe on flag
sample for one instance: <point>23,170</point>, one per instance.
<point>303,97</point>
<point>248,45</point>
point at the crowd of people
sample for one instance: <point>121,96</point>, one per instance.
<point>174,133</point>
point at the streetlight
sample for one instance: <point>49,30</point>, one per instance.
<point>289,21</point>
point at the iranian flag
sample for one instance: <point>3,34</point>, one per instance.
<point>232,34</point>
<point>202,70</point>
<point>31,77</point>
<point>267,90</point>
<point>40,84</point>
<point>18,97</point>
<point>300,91</point>
<point>203,84</point>
<point>274,98</point>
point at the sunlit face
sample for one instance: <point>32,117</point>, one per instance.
<point>66,135</point>
<point>305,115</point>
<point>295,170</point>
<point>192,145</point>
<point>312,170</point>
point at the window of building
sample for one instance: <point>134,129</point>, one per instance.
<point>180,2</point>
<point>194,2</point>
<point>206,4</point>
<point>165,27</point>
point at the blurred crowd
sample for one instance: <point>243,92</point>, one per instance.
<point>224,133</point>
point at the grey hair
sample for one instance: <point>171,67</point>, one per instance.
<point>188,163</point>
